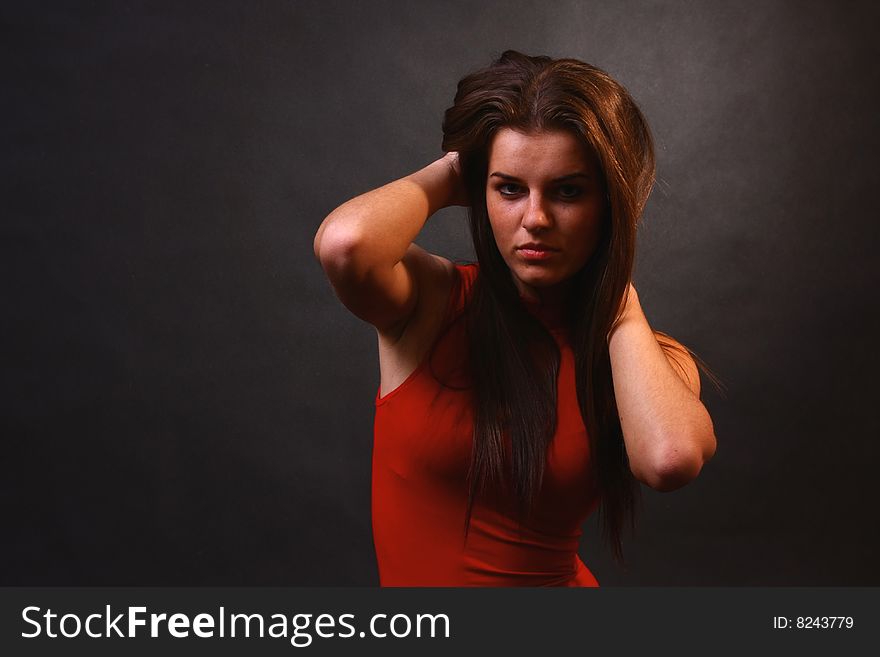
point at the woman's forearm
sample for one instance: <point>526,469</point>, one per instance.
<point>667,430</point>
<point>376,228</point>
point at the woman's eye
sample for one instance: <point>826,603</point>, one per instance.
<point>569,191</point>
<point>509,189</point>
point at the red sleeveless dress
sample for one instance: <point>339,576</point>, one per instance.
<point>421,452</point>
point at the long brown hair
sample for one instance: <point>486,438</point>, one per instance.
<point>514,361</point>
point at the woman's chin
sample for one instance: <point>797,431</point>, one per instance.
<point>537,282</point>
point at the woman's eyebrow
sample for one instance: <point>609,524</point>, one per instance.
<point>568,176</point>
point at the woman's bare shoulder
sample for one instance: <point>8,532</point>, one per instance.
<point>401,350</point>
<point>434,277</point>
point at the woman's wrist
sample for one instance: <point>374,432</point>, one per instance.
<point>630,310</point>
<point>631,301</point>
<point>442,182</point>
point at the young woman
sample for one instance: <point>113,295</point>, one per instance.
<point>519,393</point>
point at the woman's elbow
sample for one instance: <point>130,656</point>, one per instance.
<point>679,463</point>
<point>337,249</point>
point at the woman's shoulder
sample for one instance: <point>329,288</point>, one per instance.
<point>447,294</point>
<point>444,287</point>
<point>449,286</point>
<point>467,270</point>
<point>462,284</point>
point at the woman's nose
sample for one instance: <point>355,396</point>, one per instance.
<point>536,215</point>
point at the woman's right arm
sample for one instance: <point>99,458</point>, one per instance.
<point>365,246</point>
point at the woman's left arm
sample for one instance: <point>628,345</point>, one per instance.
<point>667,431</point>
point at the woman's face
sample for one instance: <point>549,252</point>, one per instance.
<point>545,199</point>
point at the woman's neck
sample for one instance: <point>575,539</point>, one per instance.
<point>556,295</point>
<point>551,310</point>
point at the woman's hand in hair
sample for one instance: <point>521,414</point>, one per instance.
<point>365,246</point>
<point>457,189</point>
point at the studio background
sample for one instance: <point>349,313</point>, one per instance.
<point>186,402</point>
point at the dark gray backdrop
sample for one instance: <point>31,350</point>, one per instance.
<point>185,401</point>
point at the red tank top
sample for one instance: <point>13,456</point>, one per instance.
<point>421,452</point>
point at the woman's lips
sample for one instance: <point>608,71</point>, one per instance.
<point>535,253</point>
